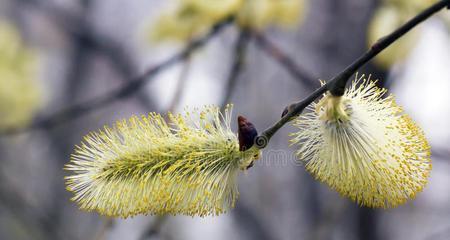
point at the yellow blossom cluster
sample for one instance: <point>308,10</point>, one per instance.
<point>19,95</point>
<point>193,17</point>
<point>364,146</point>
<point>147,165</point>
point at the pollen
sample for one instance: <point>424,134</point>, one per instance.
<point>146,165</point>
<point>364,146</point>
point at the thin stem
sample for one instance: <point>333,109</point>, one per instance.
<point>337,84</point>
<point>126,91</point>
<point>240,50</point>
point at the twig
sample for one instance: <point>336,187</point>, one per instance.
<point>337,85</point>
<point>126,91</point>
<point>240,49</point>
<point>299,74</point>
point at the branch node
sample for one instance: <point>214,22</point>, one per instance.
<point>337,86</point>
<point>261,141</point>
<point>288,109</point>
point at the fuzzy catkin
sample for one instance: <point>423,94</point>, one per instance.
<point>148,166</point>
<point>190,18</point>
<point>364,146</point>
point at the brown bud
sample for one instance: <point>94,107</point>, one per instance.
<point>246,133</point>
<point>288,109</point>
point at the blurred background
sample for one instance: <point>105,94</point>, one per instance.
<point>57,54</point>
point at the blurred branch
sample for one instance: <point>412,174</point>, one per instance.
<point>367,224</point>
<point>250,223</point>
<point>80,31</point>
<point>238,59</point>
<point>30,216</point>
<point>154,228</point>
<point>48,219</point>
<point>126,91</point>
<point>299,74</point>
<point>330,217</point>
<point>439,235</point>
<point>184,76</point>
<point>441,153</point>
<point>108,223</point>
<point>337,84</point>
<point>79,60</point>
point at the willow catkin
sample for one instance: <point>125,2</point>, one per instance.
<point>149,166</point>
<point>364,146</point>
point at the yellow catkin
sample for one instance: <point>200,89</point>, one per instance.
<point>193,17</point>
<point>19,95</point>
<point>149,166</point>
<point>364,146</point>
<point>258,14</point>
<point>416,5</point>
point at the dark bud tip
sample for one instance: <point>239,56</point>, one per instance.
<point>288,109</point>
<point>246,133</point>
<point>285,111</point>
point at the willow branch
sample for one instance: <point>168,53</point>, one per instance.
<point>126,91</point>
<point>337,84</point>
<point>272,50</point>
<point>238,57</point>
